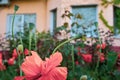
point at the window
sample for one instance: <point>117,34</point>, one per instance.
<point>53,20</point>
<point>21,21</point>
<point>86,25</point>
<point>117,21</point>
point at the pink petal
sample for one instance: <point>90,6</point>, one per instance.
<point>54,60</point>
<point>32,65</point>
<point>58,73</point>
<point>19,78</point>
<point>50,63</point>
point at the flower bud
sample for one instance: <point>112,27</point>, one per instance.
<point>83,77</point>
<point>20,48</point>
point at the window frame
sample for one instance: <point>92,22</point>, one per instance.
<point>91,5</point>
<point>115,34</point>
<point>52,26</point>
<point>8,31</point>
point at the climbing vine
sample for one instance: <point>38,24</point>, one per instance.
<point>105,21</point>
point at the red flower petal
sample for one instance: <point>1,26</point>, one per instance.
<point>26,52</point>
<point>14,54</point>
<point>19,78</point>
<point>11,61</point>
<point>87,58</point>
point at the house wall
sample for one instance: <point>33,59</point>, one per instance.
<point>42,9</point>
<point>25,7</point>
<point>61,5</point>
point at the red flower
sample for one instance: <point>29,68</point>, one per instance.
<point>35,68</point>
<point>2,66</point>
<point>79,53</point>
<point>14,54</point>
<point>118,56</point>
<point>102,46</point>
<point>19,78</point>
<point>11,61</point>
<point>98,46</point>
<point>102,58</point>
<point>87,58</point>
<point>26,52</point>
<point>76,62</point>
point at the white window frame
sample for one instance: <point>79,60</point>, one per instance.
<point>22,21</point>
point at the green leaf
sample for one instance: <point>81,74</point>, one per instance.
<point>66,24</point>
<point>78,16</point>
<point>31,26</point>
<point>111,60</point>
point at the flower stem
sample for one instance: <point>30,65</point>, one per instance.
<point>19,64</point>
<point>35,42</point>
<point>63,44</point>
<point>97,65</point>
<point>30,40</point>
<point>73,63</point>
<point>13,26</point>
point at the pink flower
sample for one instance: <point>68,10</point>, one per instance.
<point>102,58</point>
<point>11,61</point>
<point>2,66</point>
<point>19,78</point>
<point>35,68</point>
<point>87,58</point>
<point>26,52</point>
<point>14,54</point>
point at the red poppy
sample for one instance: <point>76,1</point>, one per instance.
<point>79,53</point>
<point>76,62</point>
<point>35,68</point>
<point>118,56</point>
<point>2,66</point>
<point>102,58</point>
<point>11,61</point>
<point>26,52</point>
<point>19,78</point>
<point>14,54</point>
<point>102,46</point>
<point>87,58</point>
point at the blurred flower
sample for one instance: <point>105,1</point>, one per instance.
<point>102,46</point>
<point>2,66</point>
<point>35,68</point>
<point>26,52</point>
<point>87,58</point>
<point>102,58</point>
<point>14,54</point>
<point>11,61</point>
<point>19,78</point>
<point>83,77</point>
<point>76,62</point>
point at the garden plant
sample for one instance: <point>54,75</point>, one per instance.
<point>33,55</point>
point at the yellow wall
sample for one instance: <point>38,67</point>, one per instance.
<point>26,6</point>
